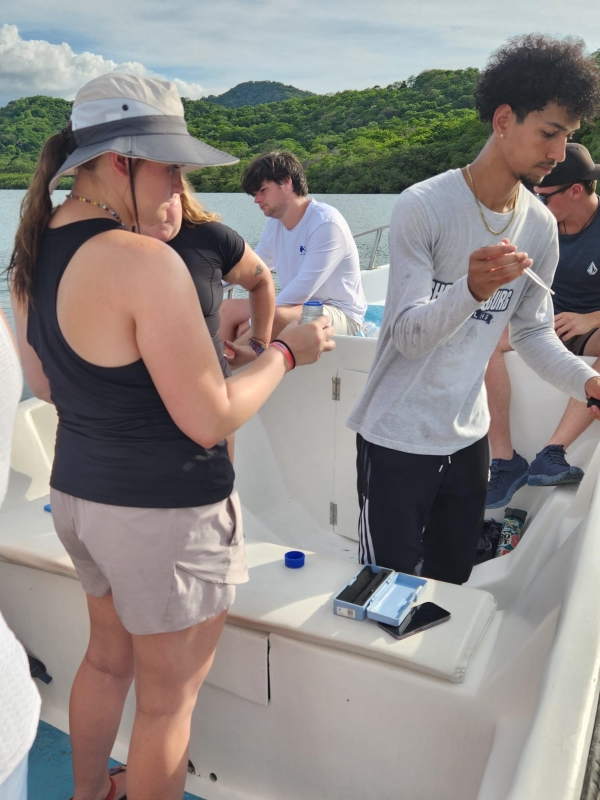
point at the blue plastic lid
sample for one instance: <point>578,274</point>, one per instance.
<point>313,303</point>
<point>294,559</point>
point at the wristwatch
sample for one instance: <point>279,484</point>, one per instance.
<point>258,346</point>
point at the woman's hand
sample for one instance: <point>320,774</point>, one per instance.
<point>238,355</point>
<point>309,340</point>
<point>567,324</point>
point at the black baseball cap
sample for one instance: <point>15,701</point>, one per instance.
<point>578,166</point>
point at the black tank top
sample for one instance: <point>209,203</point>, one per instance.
<point>116,442</point>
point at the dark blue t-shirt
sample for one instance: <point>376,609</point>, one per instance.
<point>577,278</point>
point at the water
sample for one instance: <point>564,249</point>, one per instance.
<point>362,211</point>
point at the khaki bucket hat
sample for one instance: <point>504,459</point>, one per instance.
<point>137,117</point>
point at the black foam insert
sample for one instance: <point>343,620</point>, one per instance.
<point>365,585</point>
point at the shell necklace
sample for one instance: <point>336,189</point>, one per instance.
<point>99,205</point>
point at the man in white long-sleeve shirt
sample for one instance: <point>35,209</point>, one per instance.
<point>308,243</point>
<point>459,246</point>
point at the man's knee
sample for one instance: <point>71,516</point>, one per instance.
<point>283,316</point>
<point>235,310</point>
<point>287,313</point>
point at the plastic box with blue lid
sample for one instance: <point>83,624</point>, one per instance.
<point>379,594</point>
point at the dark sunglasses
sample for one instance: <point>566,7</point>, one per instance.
<point>545,197</point>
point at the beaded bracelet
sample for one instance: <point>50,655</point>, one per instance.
<point>257,345</point>
<point>283,348</point>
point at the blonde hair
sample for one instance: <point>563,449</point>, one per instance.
<point>192,211</point>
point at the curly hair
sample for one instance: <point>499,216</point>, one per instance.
<point>531,71</point>
<point>277,166</point>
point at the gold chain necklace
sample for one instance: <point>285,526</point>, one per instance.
<point>480,207</point>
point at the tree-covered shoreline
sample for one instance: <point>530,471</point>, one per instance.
<point>377,140</point>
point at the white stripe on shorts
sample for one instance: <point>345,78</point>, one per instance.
<point>366,553</point>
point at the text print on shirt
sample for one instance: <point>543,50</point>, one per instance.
<point>302,250</point>
<point>499,301</point>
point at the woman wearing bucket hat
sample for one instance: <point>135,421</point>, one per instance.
<point>111,331</point>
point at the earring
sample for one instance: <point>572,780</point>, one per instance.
<point>502,136</point>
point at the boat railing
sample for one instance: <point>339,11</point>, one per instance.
<point>377,231</point>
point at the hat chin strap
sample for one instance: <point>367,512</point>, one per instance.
<point>135,228</point>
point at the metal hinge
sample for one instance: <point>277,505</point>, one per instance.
<point>335,388</point>
<point>333,513</point>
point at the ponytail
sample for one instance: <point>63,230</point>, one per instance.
<point>36,211</point>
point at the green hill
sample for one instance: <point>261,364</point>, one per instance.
<point>374,140</point>
<point>254,93</point>
<point>25,125</point>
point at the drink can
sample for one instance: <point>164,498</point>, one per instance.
<point>312,309</point>
<point>514,519</point>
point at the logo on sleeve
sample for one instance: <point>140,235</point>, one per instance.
<point>592,269</point>
<point>499,301</point>
<point>302,250</point>
<point>439,287</point>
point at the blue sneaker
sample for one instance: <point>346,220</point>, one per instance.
<point>506,476</point>
<point>550,468</point>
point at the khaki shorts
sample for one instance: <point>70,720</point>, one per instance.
<point>167,568</point>
<point>341,324</point>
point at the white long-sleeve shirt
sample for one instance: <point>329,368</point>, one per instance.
<point>425,392</point>
<point>316,260</point>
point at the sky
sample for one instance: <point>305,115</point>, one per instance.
<point>55,47</point>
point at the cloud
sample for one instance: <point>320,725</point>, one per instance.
<point>321,45</point>
<point>29,67</point>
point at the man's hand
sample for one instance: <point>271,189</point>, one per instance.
<point>567,324</point>
<point>494,266</point>
<point>239,355</point>
<point>592,389</point>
